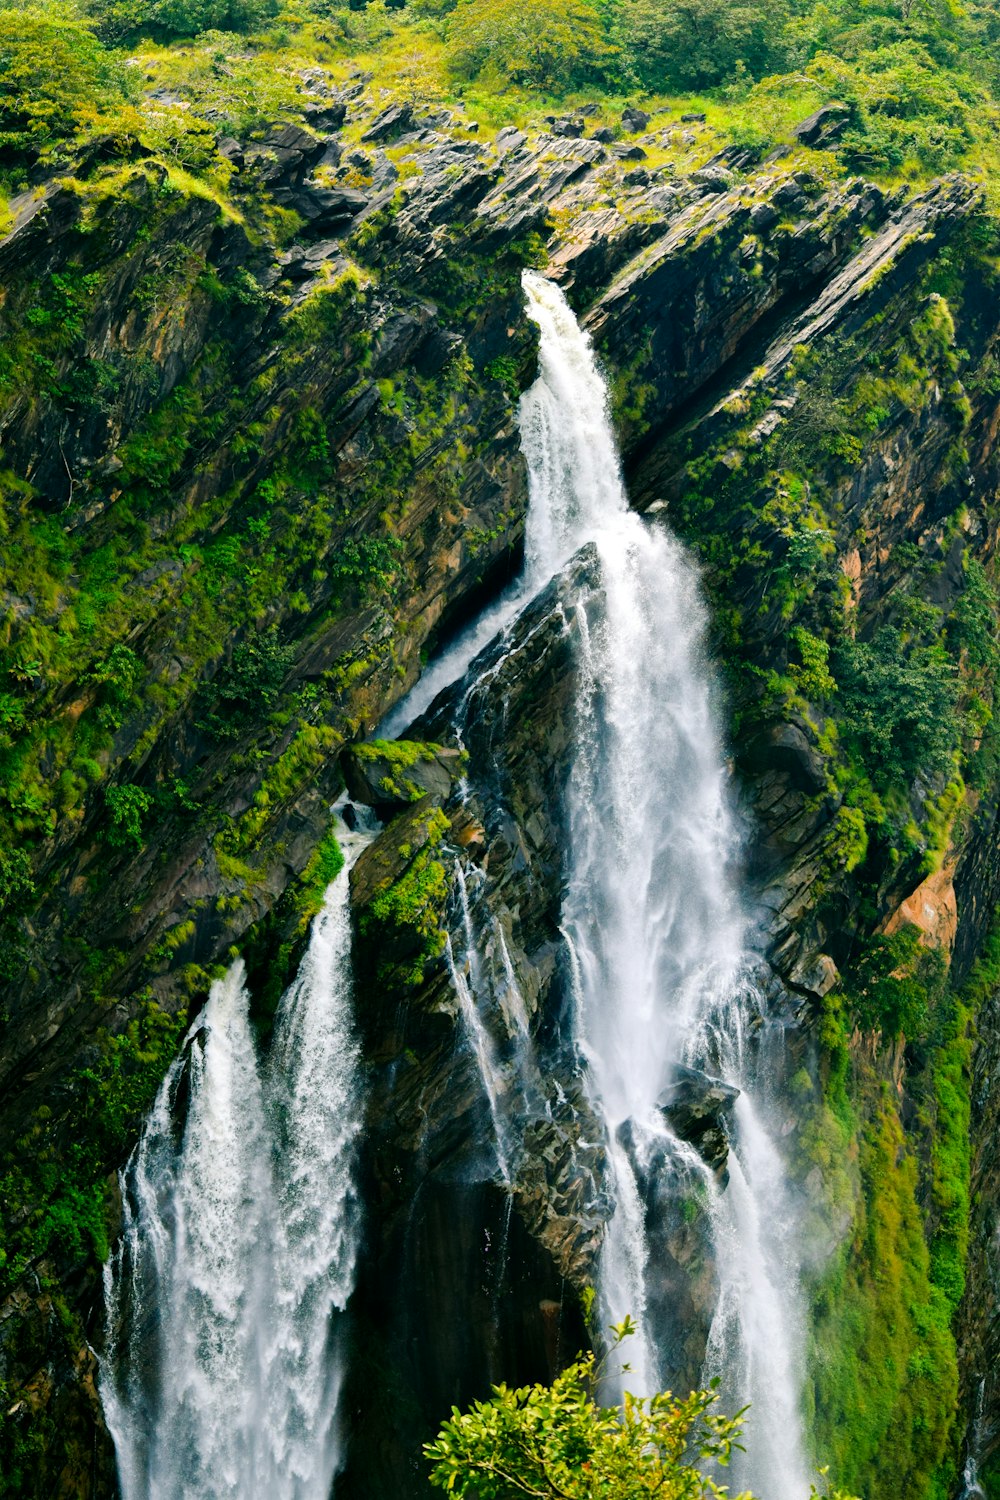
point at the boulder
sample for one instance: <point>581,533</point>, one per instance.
<point>509,140</point>
<point>329,115</point>
<point>232,151</point>
<point>762,216</point>
<point>824,127</point>
<point>716,178</point>
<point>389,125</point>
<point>571,128</point>
<point>391,774</point>
<point>634,120</point>
<point>326,208</point>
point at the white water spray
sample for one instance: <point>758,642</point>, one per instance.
<point>224,1296</point>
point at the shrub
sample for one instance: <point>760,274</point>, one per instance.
<point>127,806</point>
<point>899,706</point>
<point>55,78</point>
<point>548,44</point>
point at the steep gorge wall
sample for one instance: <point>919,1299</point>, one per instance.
<point>291,470</point>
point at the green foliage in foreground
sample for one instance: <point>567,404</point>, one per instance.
<point>557,1443</point>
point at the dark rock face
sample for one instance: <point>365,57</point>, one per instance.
<point>454,1218</point>
<point>681,1280</point>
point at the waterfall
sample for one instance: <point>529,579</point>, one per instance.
<point>655,924</point>
<point>657,941</point>
<point>225,1294</point>
<point>971,1487</point>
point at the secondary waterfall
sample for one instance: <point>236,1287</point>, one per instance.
<point>656,936</point>
<point>226,1292</point>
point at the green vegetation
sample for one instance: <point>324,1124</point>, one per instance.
<point>899,703</point>
<point>196,623</point>
<point>920,81</point>
<point>558,1443</point>
<point>402,926</point>
<point>394,758</point>
<point>884,1373</point>
<point>56,1201</point>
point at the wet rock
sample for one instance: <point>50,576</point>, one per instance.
<point>629,153</point>
<point>816,975</point>
<point>681,1280</point>
<point>785,748</point>
<point>604,134</point>
<point>696,1107</point>
<point>438,347</point>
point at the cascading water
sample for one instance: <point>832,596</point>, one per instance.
<point>653,924</point>
<point>222,1371</point>
<point>971,1487</point>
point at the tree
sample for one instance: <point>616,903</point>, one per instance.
<point>556,1443</point>
<point>899,706</point>
<point>542,43</point>
<point>55,77</point>
<point>696,43</point>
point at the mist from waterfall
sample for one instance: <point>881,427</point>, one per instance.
<point>226,1292</point>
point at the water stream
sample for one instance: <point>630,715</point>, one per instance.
<point>226,1293</point>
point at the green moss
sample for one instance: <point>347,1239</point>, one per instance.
<point>403,925</point>
<point>325,864</point>
<point>884,1384</point>
<point>395,758</point>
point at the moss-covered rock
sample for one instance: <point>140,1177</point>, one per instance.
<point>390,774</point>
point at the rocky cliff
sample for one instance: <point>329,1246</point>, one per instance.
<point>260,458</point>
